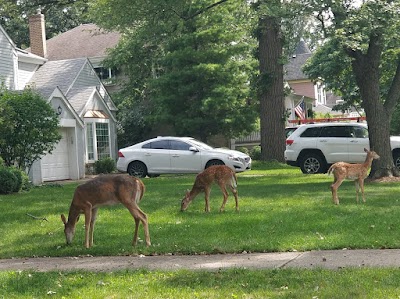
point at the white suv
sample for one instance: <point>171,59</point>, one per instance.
<point>314,147</point>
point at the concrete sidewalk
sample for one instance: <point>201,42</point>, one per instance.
<point>329,259</point>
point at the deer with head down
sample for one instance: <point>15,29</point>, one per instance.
<point>105,190</point>
<point>356,172</point>
<point>223,176</point>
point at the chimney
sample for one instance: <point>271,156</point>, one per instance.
<point>37,34</point>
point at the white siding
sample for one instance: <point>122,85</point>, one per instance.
<point>8,61</point>
<point>25,73</point>
<point>87,77</point>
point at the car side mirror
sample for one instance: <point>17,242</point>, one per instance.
<point>193,149</point>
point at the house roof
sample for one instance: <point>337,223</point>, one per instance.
<point>86,40</point>
<point>78,97</point>
<point>49,76</point>
<point>293,70</point>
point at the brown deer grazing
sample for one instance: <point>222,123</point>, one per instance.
<point>220,174</point>
<point>105,190</point>
<point>356,172</point>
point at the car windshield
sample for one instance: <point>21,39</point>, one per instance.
<point>200,144</point>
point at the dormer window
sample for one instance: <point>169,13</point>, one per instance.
<point>106,75</point>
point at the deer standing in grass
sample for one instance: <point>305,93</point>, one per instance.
<point>223,176</point>
<point>356,172</point>
<point>101,191</point>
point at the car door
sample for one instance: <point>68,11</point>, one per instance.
<point>358,141</point>
<point>157,156</point>
<point>333,142</point>
<point>184,160</point>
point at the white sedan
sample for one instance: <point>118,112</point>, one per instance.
<point>177,155</point>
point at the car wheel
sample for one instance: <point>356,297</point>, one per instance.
<point>396,160</point>
<point>214,162</point>
<point>137,169</point>
<point>312,163</point>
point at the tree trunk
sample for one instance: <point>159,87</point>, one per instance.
<point>272,106</point>
<point>366,70</point>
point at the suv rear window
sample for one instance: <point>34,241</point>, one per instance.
<point>335,131</point>
<point>311,132</point>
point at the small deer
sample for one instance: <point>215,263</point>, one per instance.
<point>220,174</point>
<point>356,172</point>
<point>105,190</point>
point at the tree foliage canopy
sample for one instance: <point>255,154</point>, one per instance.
<point>361,62</point>
<point>188,63</point>
<point>29,128</point>
<point>61,15</point>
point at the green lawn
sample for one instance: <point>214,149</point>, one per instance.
<point>280,210</point>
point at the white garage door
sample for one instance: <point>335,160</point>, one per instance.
<point>56,166</point>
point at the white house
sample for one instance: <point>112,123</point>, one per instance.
<point>73,89</point>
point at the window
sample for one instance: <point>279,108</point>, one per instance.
<point>335,131</point>
<point>103,141</point>
<point>311,132</point>
<point>105,74</point>
<point>179,145</point>
<point>358,132</point>
<point>98,140</point>
<point>89,140</point>
<point>161,144</point>
<point>320,93</point>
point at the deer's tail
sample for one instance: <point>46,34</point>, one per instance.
<point>234,180</point>
<point>331,169</point>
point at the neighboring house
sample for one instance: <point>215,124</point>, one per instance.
<point>73,89</point>
<point>86,41</point>
<point>314,95</point>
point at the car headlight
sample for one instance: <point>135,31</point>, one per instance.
<point>233,158</point>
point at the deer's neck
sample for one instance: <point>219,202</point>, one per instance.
<point>194,192</point>
<point>368,162</point>
<point>73,214</point>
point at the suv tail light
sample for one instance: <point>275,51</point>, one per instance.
<point>121,155</point>
<point>289,141</point>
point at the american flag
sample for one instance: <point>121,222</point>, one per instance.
<point>300,109</point>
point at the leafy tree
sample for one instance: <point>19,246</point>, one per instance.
<point>61,15</point>
<point>187,63</point>
<point>204,77</point>
<point>29,129</point>
<point>361,60</point>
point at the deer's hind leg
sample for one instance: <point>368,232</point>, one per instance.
<point>139,216</point>
<point>235,194</point>
<point>334,187</point>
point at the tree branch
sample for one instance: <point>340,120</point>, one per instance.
<point>201,10</point>
<point>37,218</point>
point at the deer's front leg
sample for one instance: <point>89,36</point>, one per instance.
<point>91,230</point>
<point>88,219</point>
<point>207,192</point>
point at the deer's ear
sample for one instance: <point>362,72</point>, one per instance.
<point>63,219</point>
<point>365,150</point>
<point>187,191</point>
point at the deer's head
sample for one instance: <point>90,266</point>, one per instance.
<point>185,201</point>
<point>372,154</point>
<point>69,229</point>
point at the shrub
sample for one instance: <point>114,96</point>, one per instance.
<point>18,176</point>
<point>106,165</point>
<point>243,149</point>
<point>8,181</point>
<point>255,153</point>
